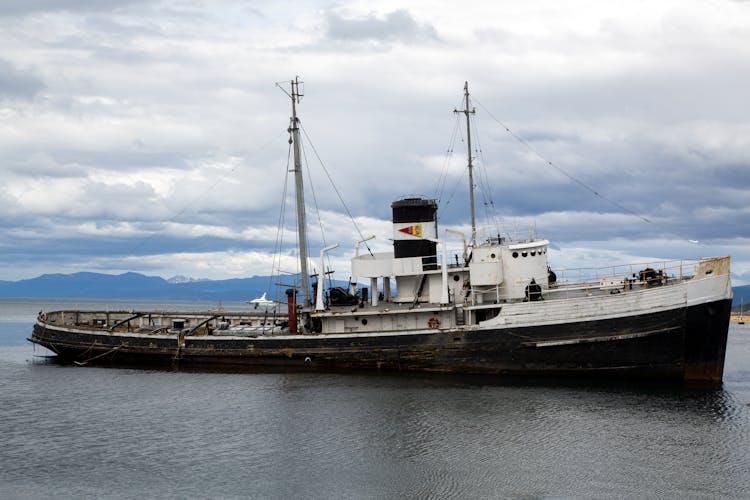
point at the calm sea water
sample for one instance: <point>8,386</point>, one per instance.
<point>86,432</point>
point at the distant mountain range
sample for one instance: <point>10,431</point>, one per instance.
<point>136,286</point>
<point>133,286</point>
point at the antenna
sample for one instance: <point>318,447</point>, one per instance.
<point>296,94</point>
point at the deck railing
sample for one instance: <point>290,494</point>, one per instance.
<point>574,281</point>
<point>159,321</point>
<point>673,269</point>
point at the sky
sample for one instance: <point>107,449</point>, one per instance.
<point>151,136</point>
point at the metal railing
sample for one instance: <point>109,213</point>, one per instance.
<point>575,281</point>
<point>672,269</point>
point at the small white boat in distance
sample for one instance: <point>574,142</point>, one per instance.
<point>261,301</point>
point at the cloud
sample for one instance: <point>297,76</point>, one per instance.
<point>223,264</point>
<point>398,25</point>
<point>15,83</point>
<point>33,6</point>
<point>152,132</point>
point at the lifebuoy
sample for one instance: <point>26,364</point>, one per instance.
<point>433,322</point>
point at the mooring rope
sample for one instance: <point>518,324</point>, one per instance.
<point>82,363</point>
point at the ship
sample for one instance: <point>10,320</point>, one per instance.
<point>498,309</point>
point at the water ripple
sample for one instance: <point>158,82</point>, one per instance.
<point>74,432</point>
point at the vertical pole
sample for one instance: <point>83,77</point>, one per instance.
<point>444,298</point>
<point>291,312</point>
<point>468,112</point>
<point>319,292</point>
<point>471,168</point>
<point>300,196</point>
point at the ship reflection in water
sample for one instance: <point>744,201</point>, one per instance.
<point>91,432</point>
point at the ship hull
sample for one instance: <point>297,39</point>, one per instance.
<point>686,343</point>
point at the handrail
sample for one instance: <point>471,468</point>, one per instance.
<point>678,268</point>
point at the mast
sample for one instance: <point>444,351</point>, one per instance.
<point>468,112</point>
<point>300,194</point>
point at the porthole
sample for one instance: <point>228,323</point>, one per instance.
<point>456,278</point>
<point>515,255</point>
<point>524,254</point>
<point>364,321</point>
<point>533,253</point>
<point>492,256</point>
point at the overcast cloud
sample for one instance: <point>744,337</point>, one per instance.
<point>149,136</point>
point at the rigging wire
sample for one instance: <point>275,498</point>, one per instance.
<point>192,201</point>
<point>279,240</point>
<point>464,172</point>
<point>441,184</point>
<point>490,210</point>
<point>330,179</point>
<point>443,179</point>
<point>315,203</point>
<point>481,180</point>
<point>566,174</point>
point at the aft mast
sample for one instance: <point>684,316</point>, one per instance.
<point>300,193</point>
<point>468,112</point>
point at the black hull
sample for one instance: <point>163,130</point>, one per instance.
<point>680,344</point>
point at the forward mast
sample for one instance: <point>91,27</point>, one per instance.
<point>299,192</point>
